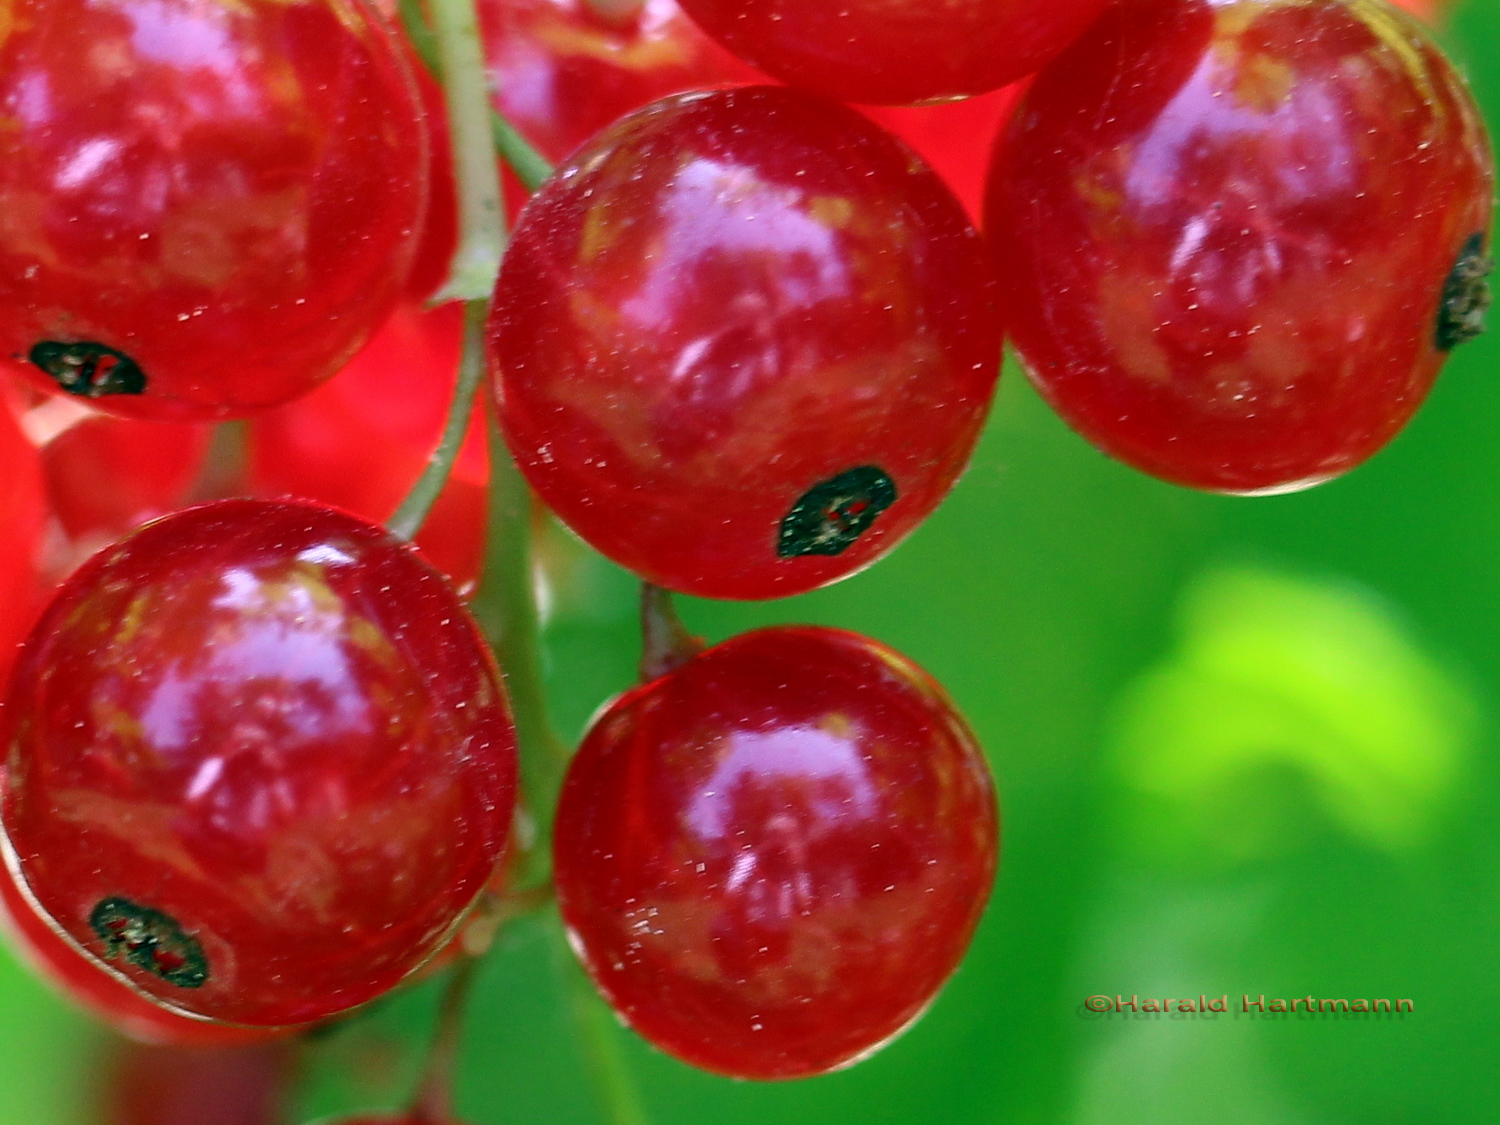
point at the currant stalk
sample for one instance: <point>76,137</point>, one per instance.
<point>481,240</point>
<point>529,165</point>
<point>666,645</point>
<point>506,609</point>
<point>409,517</point>
<point>600,1032</point>
<point>434,1099</point>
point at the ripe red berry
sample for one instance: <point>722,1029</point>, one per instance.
<point>104,996</point>
<point>23,512</point>
<point>771,859</point>
<point>563,71</point>
<point>895,52</point>
<point>260,761</point>
<point>106,475</point>
<point>196,1086</point>
<point>433,257</point>
<point>208,207</point>
<point>955,138</point>
<point>1239,239</point>
<point>744,342</point>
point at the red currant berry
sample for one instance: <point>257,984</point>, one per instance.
<point>23,512</point>
<point>955,138</point>
<point>1240,238</point>
<point>196,1086</point>
<point>433,258</point>
<point>78,977</point>
<point>895,52</point>
<point>563,71</point>
<point>260,761</point>
<point>744,342</point>
<point>208,207</point>
<point>1429,11</point>
<point>106,475</point>
<point>360,440</point>
<point>771,859</point>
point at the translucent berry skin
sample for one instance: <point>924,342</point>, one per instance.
<point>262,750</point>
<point>955,138</point>
<point>106,475</point>
<point>895,52</point>
<point>23,514</point>
<point>105,997</point>
<point>163,1085</point>
<point>208,206</point>
<point>718,311</point>
<point>771,859</point>
<point>563,71</point>
<point>1225,231</point>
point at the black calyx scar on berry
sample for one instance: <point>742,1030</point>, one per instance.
<point>89,370</point>
<point>1466,296</point>
<point>149,940</point>
<point>832,514</point>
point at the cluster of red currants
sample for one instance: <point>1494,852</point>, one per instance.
<point>260,765</point>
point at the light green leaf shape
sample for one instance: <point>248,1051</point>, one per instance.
<point>1288,704</point>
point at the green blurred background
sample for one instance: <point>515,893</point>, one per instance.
<point>1241,745</point>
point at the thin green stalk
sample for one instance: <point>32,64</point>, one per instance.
<point>665,642</point>
<point>530,166</point>
<point>433,1104</point>
<point>506,609</point>
<point>481,219</point>
<point>224,465</point>
<point>409,517</point>
<point>419,31</point>
<point>600,1035</point>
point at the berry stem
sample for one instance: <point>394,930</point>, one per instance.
<point>665,642</point>
<point>433,1104</point>
<point>224,465</point>
<point>494,912</point>
<point>616,11</point>
<point>481,240</point>
<point>419,32</point>
<point>529,165</point>
<point>600,1032</point>
<point>505,606</point>
<point>408,518</point>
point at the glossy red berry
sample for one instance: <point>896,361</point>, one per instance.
<point>433,257</point>
<point>563,70</point>
<point>744,342</point>
<point>23,513</point>
<point>895,52</point>
<point>1239,239</point>
<point>207,207</point>
<point>104,996</point>
<point>259,761</point>
<point>955,138</point>
<point>106,475</point>
<point>771,859</point>
<point>196,1086</point>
